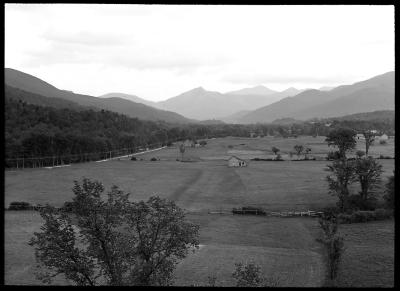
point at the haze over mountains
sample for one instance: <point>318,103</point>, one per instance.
<point>248,105</point>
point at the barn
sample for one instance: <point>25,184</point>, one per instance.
<point>234,161</point>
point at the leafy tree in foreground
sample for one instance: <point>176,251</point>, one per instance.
<point>112,241</point>
<point>343,139</point>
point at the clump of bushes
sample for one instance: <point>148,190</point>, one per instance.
<point>385,157</point>
<point>20,205</point>
<point>153,159</point>
<point>365,216</point>
<point>382,142</point>
<point>133,159</point>
<point>333,156</point>
<point>68,206</point>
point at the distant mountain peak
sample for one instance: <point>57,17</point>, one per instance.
<point>257,90</point>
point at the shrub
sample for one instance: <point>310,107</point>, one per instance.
<point>359,216</point>
<point>344,218</point>
<point>20,205</point>
<point>382,142</point>
<point>68,206</point>
<point>382,214</point>
<point>356,202</point>
<point>133,159</point>
<point>333,156</point>
<point>153,159</point>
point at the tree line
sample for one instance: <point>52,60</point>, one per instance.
<point>37,134</point>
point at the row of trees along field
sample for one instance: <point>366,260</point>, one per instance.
<point>40,136</point>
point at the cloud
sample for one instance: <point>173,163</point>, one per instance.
<point>87,38</point>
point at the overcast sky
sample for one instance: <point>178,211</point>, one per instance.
<point>160,51</point>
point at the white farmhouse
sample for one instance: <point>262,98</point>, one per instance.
<point>234,161</point>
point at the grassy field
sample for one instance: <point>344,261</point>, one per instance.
<point>369,255</point>
<point>282,246</point>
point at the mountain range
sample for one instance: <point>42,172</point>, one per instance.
<point>249,105</point>
<point>373,94</point>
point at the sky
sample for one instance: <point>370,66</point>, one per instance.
<point>160,51</point>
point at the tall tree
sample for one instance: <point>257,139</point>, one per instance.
<point>342,175</point>
<point>389,192</point>
<point>368,172</point>
<point>299,149</point>
<point>343,139</point>
<point>369,140</point>
<point>113,241</point>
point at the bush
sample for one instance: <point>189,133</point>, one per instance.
<point>382,214</point>
<point>365,216</point>
<point>385,157</point>
<point>344,218</point>
<point>355,202</point>
<point>382,142</point>
<point>153,159</point>
<point>20,205</point>
<point>68,206</point>
<point>133,159</point>
<point>333,156</point>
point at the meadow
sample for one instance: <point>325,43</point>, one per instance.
<point>285,248</point>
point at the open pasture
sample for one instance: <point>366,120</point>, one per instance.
<point>280,245</point>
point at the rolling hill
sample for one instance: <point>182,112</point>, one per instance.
<point>373,94</point>
<point>37,86</point>
<point>130,97</point>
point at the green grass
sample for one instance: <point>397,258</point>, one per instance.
<point>283,246</point>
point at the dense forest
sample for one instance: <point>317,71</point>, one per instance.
<point>42,135</point>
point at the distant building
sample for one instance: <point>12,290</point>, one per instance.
<point>234,161</point>
<point>188,143</point>
<point>360,136</point>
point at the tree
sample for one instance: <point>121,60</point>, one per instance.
<point>275,150</point>
<point>368,172</point>
<point>334,244</point>
<point>112,241</point>
<point>343,139</point>
<point>182,150</point>
<point>306,152</point>
<point>299,149</point>
<point>369,140</point>
<point>389,192</point>
<point>342,176</point>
